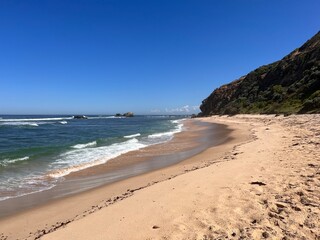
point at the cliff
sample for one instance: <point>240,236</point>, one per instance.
<point>291,85</point>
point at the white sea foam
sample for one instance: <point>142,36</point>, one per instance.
<point>175,121</point>
<point>34,119</point>
<point>7,162</point>
<point>133,135</point>
<point>31,185</point>
<point>160,135</point>
<point>33,124</point>
<point>157,116</point>
<point>85,145</point>
<point>179,126</point>
<point>168,135</point>
<point>79,159</point>
<point>102,117</point>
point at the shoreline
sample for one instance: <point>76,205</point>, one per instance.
<point>62,149</point>
<point>263,183</point>
<point>263,187</point>
<point>117,190</point>
<point>184,145</point>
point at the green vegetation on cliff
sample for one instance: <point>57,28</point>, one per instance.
<point>291,85</point>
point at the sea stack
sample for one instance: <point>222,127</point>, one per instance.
<point>128,114</point>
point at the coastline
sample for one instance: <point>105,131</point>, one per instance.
<point>39,151</point>
<point>186,143</point>
<point>197,137</point>
<point>260,184</point>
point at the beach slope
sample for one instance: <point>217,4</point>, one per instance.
<point>265,187</point>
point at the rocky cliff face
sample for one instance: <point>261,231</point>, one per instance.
<point>291,85</point>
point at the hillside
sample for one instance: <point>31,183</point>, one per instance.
<point>291,85</point>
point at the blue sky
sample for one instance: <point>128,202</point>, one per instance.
<point>146,56</point>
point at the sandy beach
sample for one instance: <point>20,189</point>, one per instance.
<point>262,182</point>
<point>196,137</point>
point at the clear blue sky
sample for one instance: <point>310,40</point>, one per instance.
<point>146,56</point>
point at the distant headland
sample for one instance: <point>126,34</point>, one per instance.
<point>291,85</point>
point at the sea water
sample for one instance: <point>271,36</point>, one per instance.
<point>36,152</point>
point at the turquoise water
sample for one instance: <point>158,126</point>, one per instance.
<point>37,151</point>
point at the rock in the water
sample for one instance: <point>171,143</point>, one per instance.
<point>128,114</point>
<point>80,117</point>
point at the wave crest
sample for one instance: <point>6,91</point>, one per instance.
<point>79,159</point>
<point>7,162</point>
<point>32,124</point>
<point>168,135</point>
<point>133,135</point>
<point>33,119</point>
<point>85,145</point>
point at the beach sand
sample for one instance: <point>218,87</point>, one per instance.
<point>263,183</point>
<point>196,137</point>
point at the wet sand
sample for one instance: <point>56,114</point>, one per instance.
<point>261,183</point>
<point>264,188</point>
<point>112,181</point>
<point>197,137</point>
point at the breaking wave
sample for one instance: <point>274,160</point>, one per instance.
<point>33,119</point>
<point>32,124</point>
<point>7,162</point>
<point>168,135</point>
<point>79,159</point>
<point>85,145</point>
<point>133,135</point>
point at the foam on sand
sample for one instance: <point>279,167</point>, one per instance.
<point>86,155</point>
<point>79,159</point>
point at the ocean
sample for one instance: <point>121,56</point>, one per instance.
<point>36,152</point>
